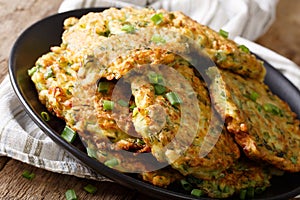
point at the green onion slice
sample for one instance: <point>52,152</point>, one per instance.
<point>155,78</point>
<point>103,86</point>
<point>173,98</point>
<point>68,134</point>
<point>268,107</point>
<point>90,189</point>
<point>253,96</point>
<point>186,185</point>
<point>29,175</point>
<point>244,48</point>
<point>45,116</point>
<point>71,195</point>
<point>158,39</point>
<point>108,105</point>
<point>91,152</point>
<point>32,71</point>
<point>197,192</point>
<point>159,89</point>
<point>223,33</point>
<point>48,73</point>
<point>112,162</point>
<point>157,18</point>
<point>128,28</point>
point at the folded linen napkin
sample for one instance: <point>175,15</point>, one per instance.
<point>22,140</point>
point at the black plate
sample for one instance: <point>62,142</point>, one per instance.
<point>38,39</point>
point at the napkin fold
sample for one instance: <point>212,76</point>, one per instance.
<point>245,20</point>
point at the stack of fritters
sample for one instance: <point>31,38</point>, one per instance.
<point>125,80</point>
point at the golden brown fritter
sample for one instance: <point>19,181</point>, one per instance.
<point>96,27</point>
<point>262,124</point>
<point>244,179</point>
<point>186,135</point>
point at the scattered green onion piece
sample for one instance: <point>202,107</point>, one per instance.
<point>122,103</point>
<point>28,175</point>
<point>90,189</point>
<point>186,185</point>
<point>253,96</point>
<point>48,73</point>
<point>268,107</point>
<point>159,89</point>
<point>158,39</point>
<point>197,192</point>
<point>112,162</point>
<point>220,56</point>
<point>243,194</point>
<point>250,192</point>
<point>103,86</point>
<point>108,105</point>
<point>128,28</point>
<point>260,190</point>
<point>68,134</point>
<point>244,48</point>
<point>71,195</point>
<point>173,98</point>
<point>91,152</point>
<point>155,78</point>
<point>157,18</point>
<point>45,116</point>
<point>32,71</point>
<point>132,107</point>
<point>294,159</point>
<point>223,33</point>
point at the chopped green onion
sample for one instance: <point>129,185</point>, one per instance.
<point>32,71</point>
<point>158,39</point>
<point>71,195</point>
<point>68,134</point>
<point>108,105</point>
<point>103,86</point>
<point>112,162</point>
<point>122,103</point>
<point>243,194</point>
<point>250,192</point>
<point>294,159</point>
<point>91,152</point>
<point>128,28</point>
<point>220,56</point>
<point>155,78</point>
<point>223,33</point>
<point>268,107</point>
<point>90,189</point>
<point>186,185</point>
<point>157,18</point>
<point>29,175</point>
<point>244,48</point>
<point>197,192</point>
<point>159,89</point>
<point>45,116</point>
<point>48,73</point>
<point>259,190</point>
<point>132,107</point>
<point>173,98</point>
<point>253,96</point>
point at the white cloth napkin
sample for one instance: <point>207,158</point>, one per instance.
<point>21,139</point>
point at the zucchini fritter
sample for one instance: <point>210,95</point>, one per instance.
<point>186,135</point>
<point>262,124</point>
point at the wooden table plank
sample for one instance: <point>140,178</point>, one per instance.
<point>49,185</point>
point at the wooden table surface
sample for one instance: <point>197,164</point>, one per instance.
<point>16,15</point>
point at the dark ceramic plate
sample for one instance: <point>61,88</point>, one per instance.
<point>37,40</point>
